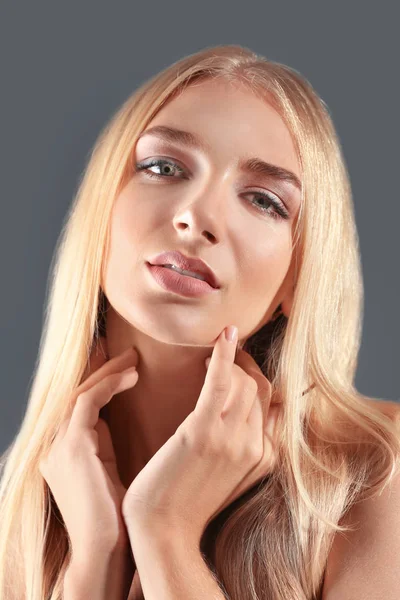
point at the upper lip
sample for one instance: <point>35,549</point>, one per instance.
<point>188,264</point>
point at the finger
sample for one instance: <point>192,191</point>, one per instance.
<point>106,453</point>
<point>262,414</point>
<point>271,441</point>
<point>255,418</point>
<point>114,365</point>
<point>217,383</point>
<point>244,359</point>
<point>100,367</point>
<point>264,394</point>
<point>249,365</point>
<point>264,391</point>
<point>242,398</point>
<point>89,403</point>
<point>269,435</point>
<point>270,426</point>
<point>106,448</point>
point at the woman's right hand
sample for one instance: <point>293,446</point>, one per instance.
<point>81,468</point>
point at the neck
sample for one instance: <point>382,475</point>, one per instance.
<point>142,418</point>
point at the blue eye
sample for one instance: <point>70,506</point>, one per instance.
<point>158,162</point>
<point>279,211</point>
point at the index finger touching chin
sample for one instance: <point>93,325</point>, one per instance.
<point>219,374</point>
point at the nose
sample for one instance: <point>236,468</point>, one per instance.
<point>203,214</point>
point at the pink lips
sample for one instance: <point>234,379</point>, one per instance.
<point>196,265</point>
<point>180,284</point>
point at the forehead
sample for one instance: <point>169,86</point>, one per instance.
<point>232,122</point>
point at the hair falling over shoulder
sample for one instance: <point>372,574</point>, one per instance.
<point>336,445</point>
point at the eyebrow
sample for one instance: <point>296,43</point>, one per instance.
<point>249,165</point>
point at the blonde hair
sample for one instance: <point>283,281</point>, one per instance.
<point>336,445</point>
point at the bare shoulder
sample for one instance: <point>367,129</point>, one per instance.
<point>365,563</point>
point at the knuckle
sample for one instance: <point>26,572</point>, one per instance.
<point>198,443</point>
<point>74,445</point>
<point>250,386</point>
<point>255,453</point>
<point>186,430</point>
<point>105,385</point>
<point>193,436</point>
<point>232,452</point>
<point>206,444</point>
<point>200,447</point>
<point>249,453</point>
<point>220,387</point>
<point>82,398</point>
<point>110,382</point>
<point>89,441</point>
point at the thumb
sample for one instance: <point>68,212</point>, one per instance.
<point>107,452</point>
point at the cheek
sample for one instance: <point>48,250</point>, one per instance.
<point>131,221</point>
<point>127,238</point>
<point>269,262</point>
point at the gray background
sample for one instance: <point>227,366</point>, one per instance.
<point>66,67</point>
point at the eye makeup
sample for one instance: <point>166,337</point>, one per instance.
<point>278,211</point>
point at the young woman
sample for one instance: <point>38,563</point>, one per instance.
<point>140,471</point>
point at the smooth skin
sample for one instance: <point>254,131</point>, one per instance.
<point>217,453</point>
<point>224,446</point>
<point>222,449</point>
<point>208,211</point>
<point>81,468</point>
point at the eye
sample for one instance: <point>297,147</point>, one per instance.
<point>159,162</point>
<point>279,210</point>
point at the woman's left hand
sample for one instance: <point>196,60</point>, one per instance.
<point>218,452</point>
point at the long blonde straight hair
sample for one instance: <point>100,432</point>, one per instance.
<point>336,446</point>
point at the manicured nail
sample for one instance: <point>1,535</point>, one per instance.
<point>231,333</point>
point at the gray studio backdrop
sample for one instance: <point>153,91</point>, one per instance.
<point>66,67</point>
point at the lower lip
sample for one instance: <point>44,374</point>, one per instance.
<point>180,284</point>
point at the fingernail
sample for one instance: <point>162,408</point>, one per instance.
<point>231,333</point>
<point>129,371</point>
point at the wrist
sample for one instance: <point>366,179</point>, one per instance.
<point>99,576</point>
<point>89,554</point>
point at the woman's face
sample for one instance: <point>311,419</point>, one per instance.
<point>203,205</point>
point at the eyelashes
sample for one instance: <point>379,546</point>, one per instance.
<point>279,210</point>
